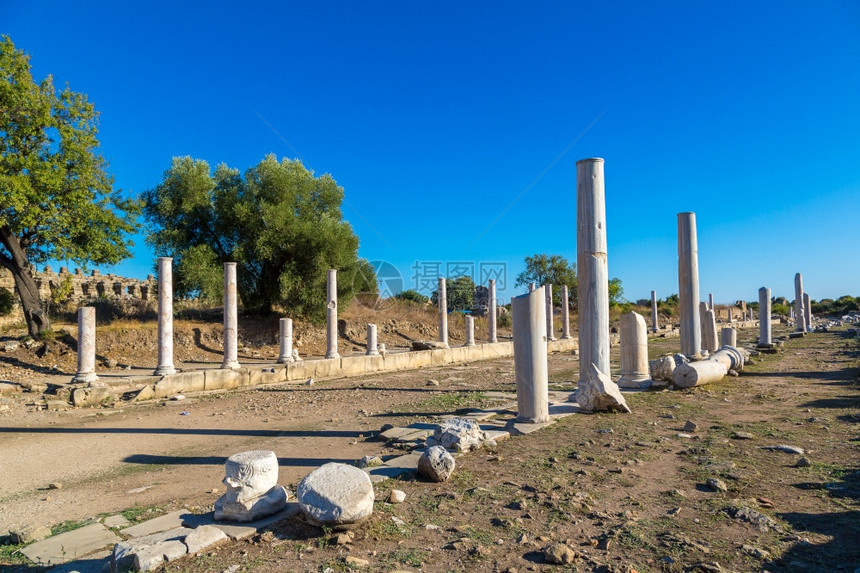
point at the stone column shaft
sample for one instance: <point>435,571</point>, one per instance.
<point>372,347</point>
<point>728,336</point>
<point>807,311</point>
<point>550,313</point>
<point>655,325</point>
<point>470,330</point>
<point>709,328</point>
<point>565,312</point>
<point>711,301</point>
<point>86,345</point>
<point>593,287</point>
<point>635,372</point>
<point>491,312</point>
<point>331,315</point>
<point>442,299</point>
<point>799,314</point>
<point>231,318</point>
<point>765,335</point>
<point>688,285</point>
<point>532,287</point>
<point>530,351</point>
<point>286,338</point>
<point>165,317</point>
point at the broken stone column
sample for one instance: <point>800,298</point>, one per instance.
<point>491,315</point>
<point>372,348</point>
<point>286,337</point>
<point>532,287</point>
<point>765,334</point>
<point>86,345</point>
<point>597,392</point>
<point>711,370</point>
<point>231,318</point>
<point>252,488</point>
<point>807,312</point>
<point>711,301</point>
<point>593,287</point>
<point>331,315</point>
<point>550,313</point>
<point>470,331</point>
<point>442,300</point>
<point>728,336</point>
<point>709,328</point>
<point>165,317</point>
<point>530,362</point>
<point>688,285</point>
<point>565,312</point>
<point>800,315</point>
<point>729,315</point>
<point>634,352</point>
<point>655,325</point>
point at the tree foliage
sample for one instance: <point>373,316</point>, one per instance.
<point>550,269</point>
<point>412,296</point>
<point>459,292</point>
<point>57,200</point>
<point>280,223</point>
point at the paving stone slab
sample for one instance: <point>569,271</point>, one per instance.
<point>116,521</point>
<point>382,473</point>
<point>562,410</point>
<point>243,530</point>
<point>163,523</point>
<point>409,461</point>
<point>98,562</point>
<point>71,545</point>
<point>523,428</point>
<point>394,433</point>
<point>497,435</point>
<point>416,435</point>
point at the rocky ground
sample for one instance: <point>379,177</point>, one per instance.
<point>607,492</point>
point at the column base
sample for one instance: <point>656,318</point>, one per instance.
<point>493,340</point>
<point>84,377</point>
<point>285,359</point>
<point>164,370</point>
<point>332,355</point>
<point>566,337</point>
<point>638,382</point>
<point>469,344</point>
<point>233,365</point>
<point>372,353</point>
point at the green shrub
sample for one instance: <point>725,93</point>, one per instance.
<point>7,301</point>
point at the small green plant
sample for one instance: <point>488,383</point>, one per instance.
<point>7,301</point>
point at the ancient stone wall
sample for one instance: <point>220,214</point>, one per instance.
<point>85,287</point>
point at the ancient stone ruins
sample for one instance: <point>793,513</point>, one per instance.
<point>340,496</point>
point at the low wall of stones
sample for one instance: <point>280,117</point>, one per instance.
<point>152,387</point>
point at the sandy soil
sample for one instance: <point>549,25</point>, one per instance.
<point>624,491</point>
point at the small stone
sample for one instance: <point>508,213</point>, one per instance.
<point>204,537</point>
<point>742,436</point>
<point>690,426</point>
<point>803,463</point>
<point>178,397</point>
<point>396,496</point>
<point>55,485</point>
<point>717,484</point>
<point>432,382</point>
<point>785,448</point>
<point>559,554</point>
<point>309,382</point>
<point>756,552</point>
<point>344,538</point>
<point>370,462</point>
<point>356,562</point>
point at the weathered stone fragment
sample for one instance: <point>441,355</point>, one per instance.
<point>436,464</point>
<point>459,434</point>
<point>597,392</point>
<point>336,495</point>
<point>252,488</point>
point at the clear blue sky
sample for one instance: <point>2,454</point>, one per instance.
<point>454,128</point>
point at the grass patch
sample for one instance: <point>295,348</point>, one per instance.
<point>445,402</point>
<point>411,557</point>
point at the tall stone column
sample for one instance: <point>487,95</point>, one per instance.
<point>165,317</point>
<point>286,338</point>
<point>688,285</point>
<point>470,330</point>
<point>491,312</point>
<point>565,312</point>
<point>86,345</point>
<point>231,318</point>
<point>807,312</point>
<point>331,315</point>
<point>372,347</point>
<point>530,362</point>
<point>730,315</point>
<point>550,313</point>
<point>634,352</point>
<point>709,328</point>
<point>655,325</point>
<point>711,301</point>
<point>799,314</point>
<point>532,287</point>
<point>765,336</point>
<point>442,299</point>
<point>593,287</point>
<point>728,336</point>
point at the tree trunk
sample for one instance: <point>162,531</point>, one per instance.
<point>28,292</point>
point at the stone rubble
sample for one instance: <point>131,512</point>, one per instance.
<point>436,464</point>
<point>597,393</point>
<point>336,495</point>
<point>459,434</point>
<point>252,488</point>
